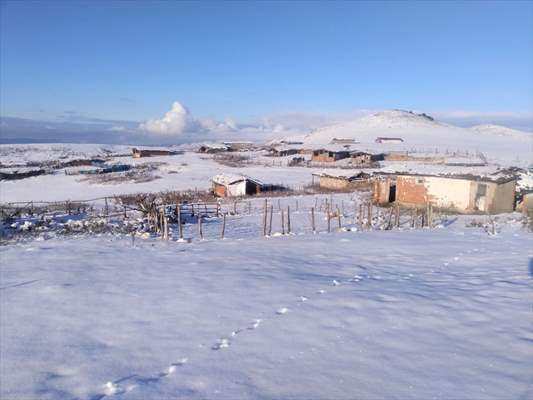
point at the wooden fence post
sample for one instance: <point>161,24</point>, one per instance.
<point>282,222</point>
<point>200,230</point>
<point>288,220</point>
<point>329,221</point>
<point>369,222</point>
<point>313,219</point>
<point>339,218</point>
<point>180,222</point>
<point>265,212</point>
<point>270,220</point>
<point>389,224</point>
<point>397,216</point>
<point>223,230</point>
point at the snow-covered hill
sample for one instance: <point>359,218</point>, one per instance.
<point>422,132</point>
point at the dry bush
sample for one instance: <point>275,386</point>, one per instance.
<point>232,160</point>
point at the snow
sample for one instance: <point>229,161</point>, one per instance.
<point>228,179</point>
<point>501,144</point>
<point>40,153</point>
<point>416,314</point>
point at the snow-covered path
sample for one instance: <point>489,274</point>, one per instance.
<point>408,315</point>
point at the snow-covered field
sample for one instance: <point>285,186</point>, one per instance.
<point>441,313</point>
<point>422,314</point>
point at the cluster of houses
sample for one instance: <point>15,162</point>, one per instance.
<point>464,193</point>
<point>494,193</point>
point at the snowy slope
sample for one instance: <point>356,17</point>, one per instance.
<point>421,132</point>
<point>440,314</point>
<point>38,153</point>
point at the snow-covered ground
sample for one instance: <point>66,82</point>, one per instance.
<point>191,170</point>
<point>41,153</point>
<point>419,132</point>
<point>421,314</point>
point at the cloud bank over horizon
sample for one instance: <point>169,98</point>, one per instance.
<point>178,121</point>
<point>178,125</point>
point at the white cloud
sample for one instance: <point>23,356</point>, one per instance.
<point>178,121</point>
<point>173,123</point>
<point>117,128</point>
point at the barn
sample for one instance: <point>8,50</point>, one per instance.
<point>229,185</point>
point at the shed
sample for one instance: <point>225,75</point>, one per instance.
<point>341,182</point>
<point>323,155</point>
<point>463,193</point>
<point>343,141</point>
<point>383,139</point>
<point>360,159</point>
<point>212,148</point>
<point>136,153</point>
<point>228,185</point>
<point>239,146</point>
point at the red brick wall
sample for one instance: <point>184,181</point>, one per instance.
<point>410,192</point>
<point>219,190</point>
<point>323,158</point>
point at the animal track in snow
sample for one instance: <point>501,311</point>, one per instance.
<point>222,343</point>
<point>111,389</point>
<point>255,324</point>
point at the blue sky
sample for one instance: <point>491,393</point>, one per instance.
<point>246,60</point>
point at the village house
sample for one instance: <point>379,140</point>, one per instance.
<point>382,139</point>
<point>282,151</point>
<point>323,155</point>
<point>342,141</point>
<point>463,193</point>
<point>406,156</point>
<point>136,153</point>
<point>211,148</point>
<point>239,146</point>
<point>340,182</point>
<point>227,185</point>
<point>360,159</point>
